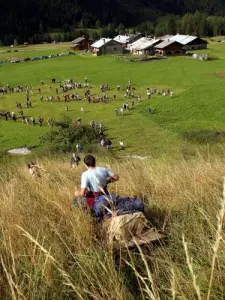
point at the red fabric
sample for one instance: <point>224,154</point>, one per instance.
<point>90,200</point>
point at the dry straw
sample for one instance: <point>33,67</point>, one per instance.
<point>220,220</point>
<point>61,250</point>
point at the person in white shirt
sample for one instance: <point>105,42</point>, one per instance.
<point>95,179</point>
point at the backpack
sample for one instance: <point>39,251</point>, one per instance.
<point>127,204</point>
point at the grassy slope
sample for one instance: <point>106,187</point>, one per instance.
<point>198,101</point>
<point>39,224</point>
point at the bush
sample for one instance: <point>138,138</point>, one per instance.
<point>212,57</point>
<point>65,138</point>
<point>205,136</point>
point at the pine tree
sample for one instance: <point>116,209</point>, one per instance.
<point>15,43</point>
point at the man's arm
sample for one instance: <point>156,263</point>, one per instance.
<point>112,177</point>
<point>80,193</point>
<point>83,189</point>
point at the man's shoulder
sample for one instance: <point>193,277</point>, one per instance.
<point>85,173</point>
<point>101,169</point>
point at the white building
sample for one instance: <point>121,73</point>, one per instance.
<point>143,46</point>
<point>127,39</point>
<point>106,46</point>
<point>190,42</point>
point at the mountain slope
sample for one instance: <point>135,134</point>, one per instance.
<point>22,18</point>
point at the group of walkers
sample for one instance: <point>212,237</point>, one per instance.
<point>72,91</point>
<point>69,90</point>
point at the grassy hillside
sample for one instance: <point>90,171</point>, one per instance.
<point>197,105</point>
<point>50,249</point>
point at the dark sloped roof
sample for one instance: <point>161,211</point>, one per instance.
<point>166,44</point>
<point>78,40</point>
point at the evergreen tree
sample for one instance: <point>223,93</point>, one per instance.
<point>171,26</point>
<point>24,19</point>
<point>111,30</point>
<point>15,43</point>
<point>95,36</point>
<point>41,28</point>
<point>121,28</point>
<point>97,24</point>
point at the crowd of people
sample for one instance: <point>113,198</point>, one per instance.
<point>68,91</point>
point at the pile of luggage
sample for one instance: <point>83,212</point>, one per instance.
<point>124,221</point>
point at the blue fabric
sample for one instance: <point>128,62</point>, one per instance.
<point>120,204</point>
<point>129,204</point>
<point>100,205</point>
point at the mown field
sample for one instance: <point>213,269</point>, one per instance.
<point>197,105</point>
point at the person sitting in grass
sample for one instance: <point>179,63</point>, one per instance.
<point>33,169</point>
<point>94,182</point>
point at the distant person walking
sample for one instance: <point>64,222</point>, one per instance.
<point>122,145</point>
<point>75,160</point>
<point>79,148</point>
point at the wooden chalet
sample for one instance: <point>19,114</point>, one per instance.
<point>81,43</point>
<point>169,48</point>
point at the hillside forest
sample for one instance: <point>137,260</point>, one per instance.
<point>36,21</point>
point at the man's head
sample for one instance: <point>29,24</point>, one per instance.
<point>89,161</point>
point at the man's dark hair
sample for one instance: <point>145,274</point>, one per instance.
<point>89,160</point>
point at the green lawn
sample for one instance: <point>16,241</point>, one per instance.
<point>33,50</point>
<point>198,101</point>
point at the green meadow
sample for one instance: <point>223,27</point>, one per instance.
<point>190,122</point>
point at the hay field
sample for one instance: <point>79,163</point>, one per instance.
<point>52,250</point>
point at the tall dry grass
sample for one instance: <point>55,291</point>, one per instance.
<point>52,250</point>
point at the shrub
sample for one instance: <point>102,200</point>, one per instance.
<point>212,57</point>
<point>65,138</point>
